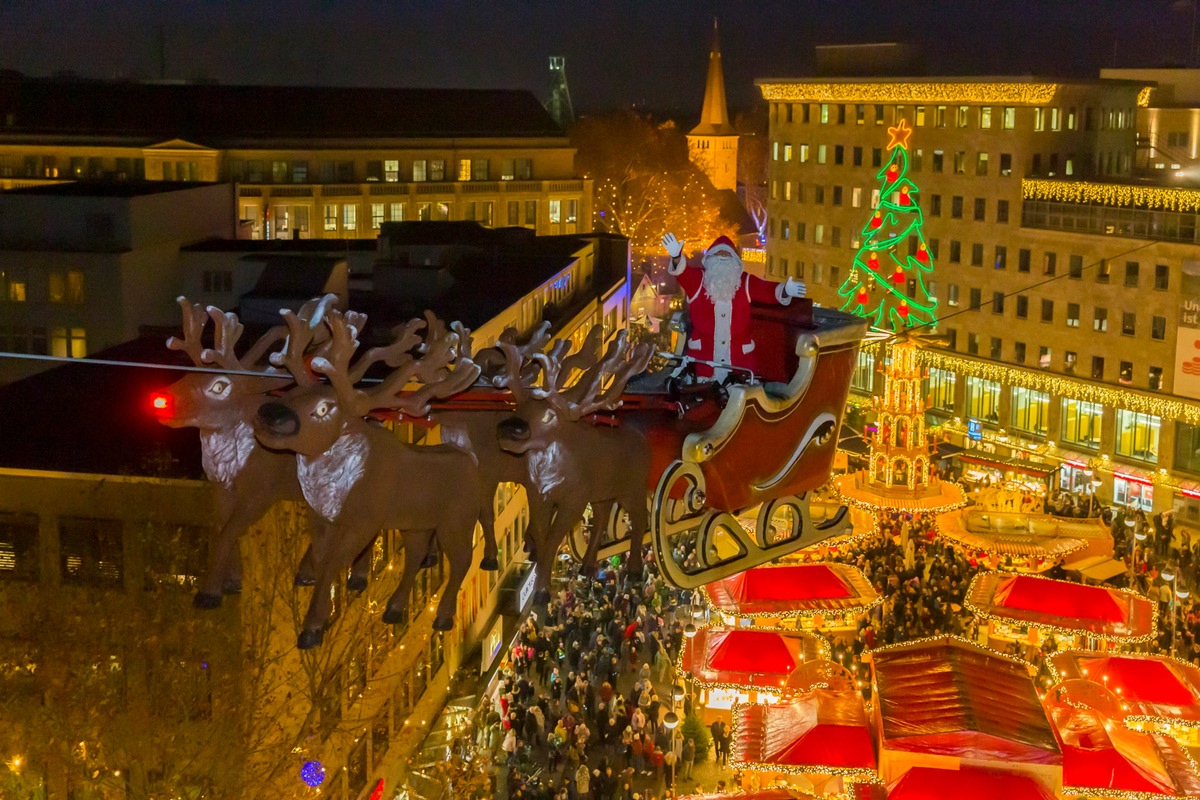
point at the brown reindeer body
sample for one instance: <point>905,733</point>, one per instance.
<point>247,479</point>
<point>571,460</point>
<point>359,478</point>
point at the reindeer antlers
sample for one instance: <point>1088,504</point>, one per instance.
<point>194,320</point>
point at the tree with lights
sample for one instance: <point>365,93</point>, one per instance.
<point>876,287</point>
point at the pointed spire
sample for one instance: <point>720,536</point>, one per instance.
<point>714,116</point>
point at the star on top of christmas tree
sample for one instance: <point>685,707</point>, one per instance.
<point>899,134</point>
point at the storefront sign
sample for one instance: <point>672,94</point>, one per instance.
<point>492,644</point>
<point>1187,335</point>
<point>526,592</point>
<point>974,430</point>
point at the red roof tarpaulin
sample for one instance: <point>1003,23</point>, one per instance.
<point>754,658</point>
<point>1150,686</point>
<point>1099,753</point>
<point>792,590</point>
<point>760,794</point>
<point>946,696</point>
<point>1061,605</point>
<point>928,783</point>
<point>814,732</point>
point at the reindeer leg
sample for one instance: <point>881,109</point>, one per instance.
<point>333,549</point>
<point>306,573</point>
<point>565,517</point>
<point>431,558</point>
<point>487,518</point>
<point>460,564</point>
<point>223,550</point>
<point>361,569</point>
<point>601,513</point>
<point>416,544</point>
<point>639,520</point>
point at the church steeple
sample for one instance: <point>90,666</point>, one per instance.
<point>714,117</point>
<point>712,145</point>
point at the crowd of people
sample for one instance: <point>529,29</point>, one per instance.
<point>580,709</point>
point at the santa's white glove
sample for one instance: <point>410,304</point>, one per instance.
<point>673,245</point>
<point>793,288</point>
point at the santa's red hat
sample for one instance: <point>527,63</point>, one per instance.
<point>725,242</point>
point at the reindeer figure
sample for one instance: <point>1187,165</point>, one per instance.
<point>570,461</point>
<point>359,478</point>
<point>248,479</point>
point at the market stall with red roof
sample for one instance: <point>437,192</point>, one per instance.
<point>738,665</point>
<point>1101,756</point>
<point>823,735</point>
<point>1157,693</point>
<point>929,783</point>
<point>946,702</point>
<point>800,595</point>
<point>1026,608</point>
<point>774,793</point>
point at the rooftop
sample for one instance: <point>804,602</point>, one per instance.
<point>217,115</point>
<point>105,188</point>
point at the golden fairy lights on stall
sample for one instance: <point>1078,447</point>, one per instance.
<point>1167,198</point>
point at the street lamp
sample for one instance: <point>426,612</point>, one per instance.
<point>672,719</point>
<point>1092,497</point>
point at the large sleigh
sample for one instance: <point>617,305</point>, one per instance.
<point>733,468</point>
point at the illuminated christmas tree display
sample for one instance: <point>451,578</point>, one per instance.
<point>893,252</point>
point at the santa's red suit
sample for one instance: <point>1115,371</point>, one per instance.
<point>721,331</point>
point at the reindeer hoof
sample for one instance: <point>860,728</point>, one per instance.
<point>443,624</point>
<point>356,583</point>
<point>430,561</point>
<point>206,602</point>
<point>304,580</point>
<point>541,597</point>
<point>393,616</point>
<point>231,587</point>
<point>489,563</point>
<point>310,639</point>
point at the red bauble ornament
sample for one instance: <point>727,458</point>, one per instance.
<point>898,277</point>
<point>922,254</point>
<point>892,171</point>
<point>876,220</point>
<point>905,200</point>
<point>873,261</point>
<point>862,296</point>
<point>903,309</point>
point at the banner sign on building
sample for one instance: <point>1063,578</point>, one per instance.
<point>1187,335</point>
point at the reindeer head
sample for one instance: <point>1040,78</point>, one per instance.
<point>310,418</point>
<point>543,410</point>
<point>215,401</point>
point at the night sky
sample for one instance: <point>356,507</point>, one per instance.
<point>651,53</point>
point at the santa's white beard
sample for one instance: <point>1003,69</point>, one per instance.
<point>722,277</point>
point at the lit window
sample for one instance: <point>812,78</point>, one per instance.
<point>391,171</point>
<point>331,217</point>
<point>1081,422</point>
<point>349,217</point>
<point>985,117</point>
<point>57,287</point>
<point>376,215</point>
<point>420,170</point>
<point>787,152</point>
<point>555,212</point>
<point>1030,410</point>
<point>1010,118</point>
<point>940,392</point>
<point>68,342</point>
<point>983,399</point>
<point>464,169</point>
<point>1137,435</point>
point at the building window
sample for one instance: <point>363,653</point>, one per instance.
<point>876,156</point>
<point>397,212</point>
<point>1103,271</point>
<point>1128,323</point>
<point>1187,447</point>
<point>977,255</point>
<point>1125,373</point>
<point>1100,320</point>
<point>973,344</point>
<point>1001,259</point>
<point>91,552</point>
<point>960,162</point>
<point>217,281</point>
<point>1137,435</point>
<point>345,171</point>
<point>955,251</point>
<point>976,299</point>
<point>1006,164</point>
<point>1039,119</point>
<point>997,348</point>
<point>1161,277</point>
<point>1076,267</point>
<point>952,294</point>
<point>997,302</point>
<point>479,169</point>
<point>1131,274</point>
<point>350,217</point>
<point>1019,352</point>
<point>1081,423</point>
<point>864,372</point>
<point>1072,315</point>
<point>983,399</point>
<point>1070,359</point>
<point>1047,311</point>
<point>1158,328</point>
<point>1001,211</point>
<point>980,209</point>
<point>1030,410</point>
<point>374,170</point>
<point>531,213</point>
<point>391,171</point>
<point>839,154</point>
<point>376,216</point>
<point>464,169</point>
<point>1098,368</point>
<point>956,207</point>
<point>1010,118</point>
<point>985,117</point>
<point>19,547</point>
<point>938,157</point>
<point>68,342</point>
<point>940,392</point>
<point>420,170</point>
<point>935,205</point>
<point>1022,307</point>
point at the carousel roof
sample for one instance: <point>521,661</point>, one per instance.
<point>930,783</point>
<point>946,696</point>
<point>1102,754</point>
<point>752,658</point>
<point>822,731</point>
<point>1152,687</point>
<point>1061,606</point>
<point>1010,534</point>
<point>792,590</point>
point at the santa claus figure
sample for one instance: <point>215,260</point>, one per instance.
<point>719,293</point>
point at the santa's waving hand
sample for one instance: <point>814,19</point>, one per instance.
<point>719,293</point>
